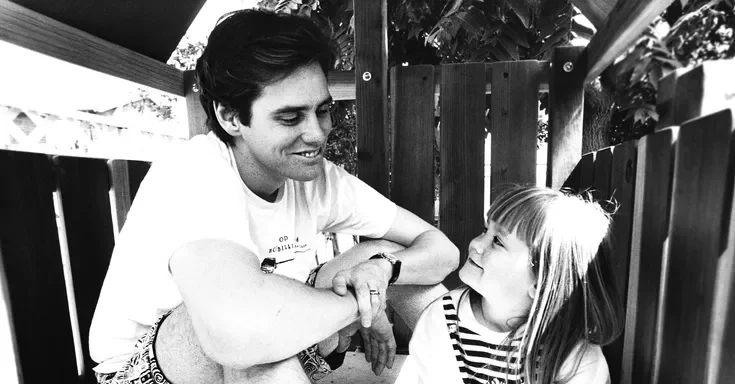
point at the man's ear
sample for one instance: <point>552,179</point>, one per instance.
<point>227,119</point>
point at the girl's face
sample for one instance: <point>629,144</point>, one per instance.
<point>499,265</point>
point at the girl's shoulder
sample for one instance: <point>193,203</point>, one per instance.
<point>586,364</point>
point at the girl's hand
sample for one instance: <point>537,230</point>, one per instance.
<point>380,344</point>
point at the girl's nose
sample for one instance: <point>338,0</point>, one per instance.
<point>476,247</point>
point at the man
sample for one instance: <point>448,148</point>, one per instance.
<point>189,296</point>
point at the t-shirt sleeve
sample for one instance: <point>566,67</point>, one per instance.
<point>592,368</point>
<point>431,357</point>
<point>348,205</point>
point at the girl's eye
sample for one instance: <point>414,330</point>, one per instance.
<point>484,230</point>
<point>497,242</point>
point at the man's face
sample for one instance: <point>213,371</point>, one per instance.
<point>288,131</point>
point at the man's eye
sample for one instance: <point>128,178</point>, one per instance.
<point>322,112</point>
<point>290,119</point>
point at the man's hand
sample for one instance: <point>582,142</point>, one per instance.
<point>370,275</point>
<point>380,344</point>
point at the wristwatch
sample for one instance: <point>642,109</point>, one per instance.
<point>393,261</point>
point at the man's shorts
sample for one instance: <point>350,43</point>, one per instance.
<point>142,368</point>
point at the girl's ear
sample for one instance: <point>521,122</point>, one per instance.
<point>532,292</point>
<point>227,119</point>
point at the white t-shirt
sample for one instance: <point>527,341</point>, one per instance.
<point>434,357</point>
<point>196,193</point>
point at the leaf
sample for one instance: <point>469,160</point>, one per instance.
<point>522,10</point>
<point>510,47</point>
<point>519,37</point>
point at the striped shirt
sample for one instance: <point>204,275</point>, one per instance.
<point>481,360</point>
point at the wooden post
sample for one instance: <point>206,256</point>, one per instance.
<point>9,357</point>
<point>462,149</point>
<point>371,94</point>
<point>412,116</point>
<point>120,199</point>
<point>566,106</point>
<point>195,111</point>
<point>514,121</point>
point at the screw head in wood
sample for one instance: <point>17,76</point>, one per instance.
<point>195,88</point>
<point>568,66</point>
<point>367,76</point>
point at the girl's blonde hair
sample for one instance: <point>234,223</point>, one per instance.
<point>576,301</point>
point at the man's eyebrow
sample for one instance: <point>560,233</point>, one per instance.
<point>300,108</point>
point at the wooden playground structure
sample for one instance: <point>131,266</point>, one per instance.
<point>674,238</point>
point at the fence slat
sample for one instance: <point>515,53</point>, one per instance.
<point>412,115</point>
<point>566,104</point>
<point>587,171</point>
<point>602,171</point>
<point>703,90</point>
<point>514,121</point>
<point>462,133</point>
<point>84,186</point>
<point>621,190</point>
<point>666,97</point>
<point>120,188</point>
<point>695,242</point>
<point>136,173</point>
<point>650,226</point>
<point>32,264</point>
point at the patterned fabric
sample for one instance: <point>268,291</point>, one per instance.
<point>479,361</point>
<point>142,368</point>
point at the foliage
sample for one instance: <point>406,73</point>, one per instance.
<point>688,33</point>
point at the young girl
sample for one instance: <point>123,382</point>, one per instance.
<point>538,302</point>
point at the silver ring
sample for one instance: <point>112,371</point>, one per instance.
<point>374,292</point>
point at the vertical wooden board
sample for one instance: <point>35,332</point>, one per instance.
<point>725,370</point>
<point>196,116</point>
<point>666,97</point>
<point>9,359</point>
<point>704,90</point>
<point>462,132</point>
<point>514,122</point>
<point>84,185</point>
<point>566,106</point>
<point>587,172</point>
<point>622,188</point>
<point>371,91</point>
<point>120,189</point>
<point>602,171</point>
<point>650,227</point>
<point>695,241</point>
<point>412,116</point>
<point>136,173</point>
<point>33,268</point>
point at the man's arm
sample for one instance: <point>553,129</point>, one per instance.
<point>243,317</point>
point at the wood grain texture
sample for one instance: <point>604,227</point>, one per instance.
<point>602,169</point>
<point>197,117</point>
<point>9,358</point>
<point>462,148</point>
<point>666,97</point>
<point>566,106</point>
<point>84,185</point>
<point>514,122</point>
<point>622,188</point>
<point>587,171</point>
<point>32,264</point>
<point>650,223</point>
<point>624,25</point>
<point>120,199</point>
<point>700,186</point>
<point>704,90</point>
<point>31,30</point>
<point>371,98</point>
<point>412,123</point>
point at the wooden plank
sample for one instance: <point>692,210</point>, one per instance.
<point>650,228</point>
<point>34,31</point>
<point>412,115</point>
<point>602,169</point>
<point>371,99</point>
<point>587,172</point>
<point>624,25</point>
<point>724,369</point>
<point>32,264</point>
<point>341,85</point>
<point>544,76</point>
<point>666,97</point>
<point>84,185</point>
<point>700,185</point>
<point>137,171</point>
<point>120,199</point>
<point>596,11</point>
<point>702,90</point>
<point>9,358</point>
<point>197,117</point>
<point>462,132</point>
<point>514,121</point>
<point>566,106</point>
<point>622,188</point>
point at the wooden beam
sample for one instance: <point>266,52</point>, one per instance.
<point>34,31</point>
<point>371,91</point>
<point>625,24</point>
<point>596,11</point>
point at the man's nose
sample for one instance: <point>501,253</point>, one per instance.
<point>313,131</point>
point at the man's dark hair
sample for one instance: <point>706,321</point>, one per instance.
<point>250,49</point>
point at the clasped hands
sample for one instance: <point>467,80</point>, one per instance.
<point>369,282</point>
